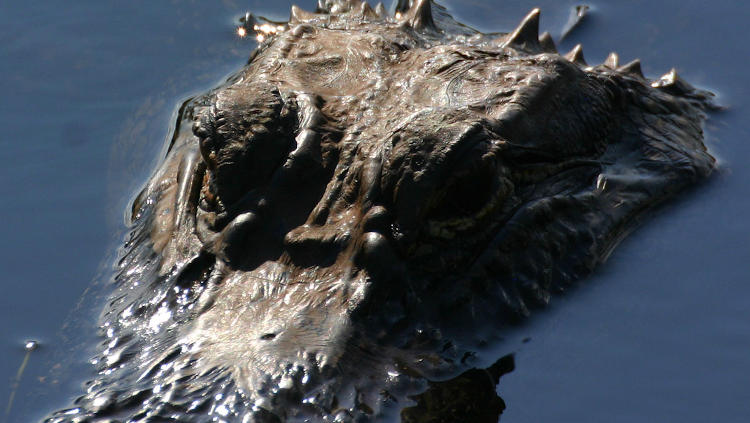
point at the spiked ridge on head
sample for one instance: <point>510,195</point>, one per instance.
<point>380,10</point>
<point>547,43</point>
<point>298,15</point>
<point>526,35</point>
<point>633,69</point>
<point>612,61</point>
<point>576,55</point>
<point>672,83</point>
<point>419,16</point>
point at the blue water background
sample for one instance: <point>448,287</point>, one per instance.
<point>89,91</point>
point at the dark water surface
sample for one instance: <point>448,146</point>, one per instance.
<point>89,90</point>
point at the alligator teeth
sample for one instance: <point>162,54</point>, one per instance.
<point>419,16</point>
<point>576,55</point>
<point>612,61</point>
<point>633,69</point>
<point>547,43</point>
<point>526,35</point>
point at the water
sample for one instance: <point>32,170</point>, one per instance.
<point>90,89</point>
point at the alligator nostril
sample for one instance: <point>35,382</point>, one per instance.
<point>268,336</point>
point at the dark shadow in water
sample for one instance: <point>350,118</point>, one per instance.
<point>468,397</point>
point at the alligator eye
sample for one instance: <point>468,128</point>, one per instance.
<point>466,194</point>
<point>417,163</point>
<point>244,139</point>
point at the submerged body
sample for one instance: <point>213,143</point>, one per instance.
<point>329,222</point>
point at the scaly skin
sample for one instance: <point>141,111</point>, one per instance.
<point>330,222</point>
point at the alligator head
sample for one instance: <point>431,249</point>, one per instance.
<point>334,217</point>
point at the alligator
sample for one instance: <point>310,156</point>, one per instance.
<point>341,223</point>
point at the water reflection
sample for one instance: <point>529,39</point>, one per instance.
<point>469,397</point>
<point>29,346</point>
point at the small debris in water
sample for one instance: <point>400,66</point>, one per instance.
<point>577,15</point>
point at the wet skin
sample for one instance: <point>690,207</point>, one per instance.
<point>330,222</point>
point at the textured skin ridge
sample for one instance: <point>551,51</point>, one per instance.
<point>363,204</point>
